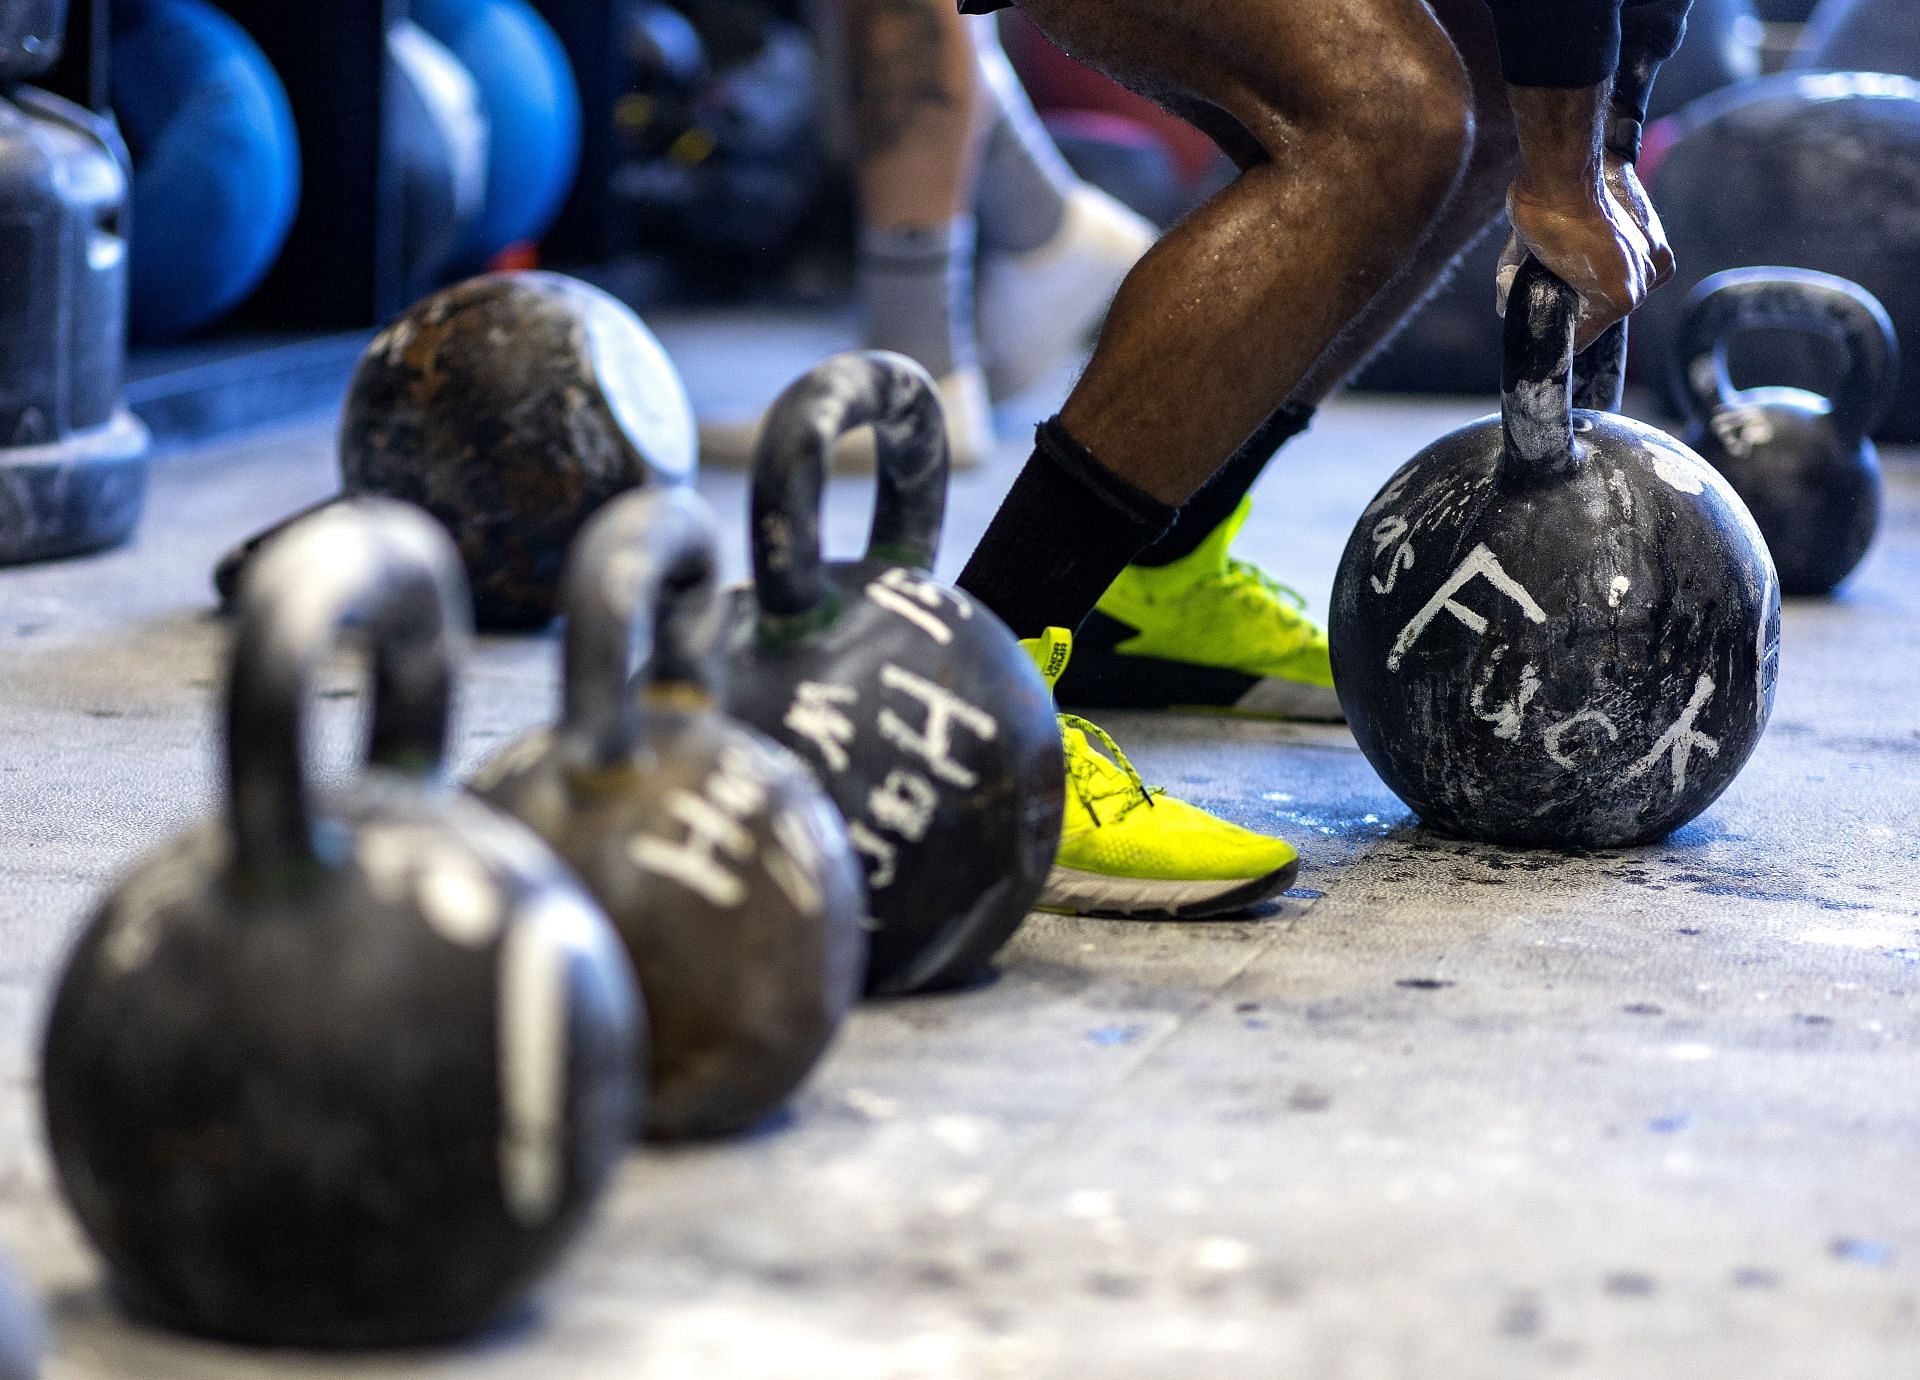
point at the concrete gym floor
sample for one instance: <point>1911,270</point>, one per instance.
<point>1449,1111</point>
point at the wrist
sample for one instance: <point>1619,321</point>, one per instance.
<point>1561,137</point>
<point>1552,190</point>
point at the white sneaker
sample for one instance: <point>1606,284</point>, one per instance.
<point>1037,308</point>
<point>970,438</point>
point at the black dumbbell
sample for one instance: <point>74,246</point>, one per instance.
<point>341,1069</point>
<point>724,867</point>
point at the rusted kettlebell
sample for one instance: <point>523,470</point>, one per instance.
<point>1802,462</point>
<point>510,406</point>
<point>341,1069</point>
<point>932,730</point>
<point>724,866</point>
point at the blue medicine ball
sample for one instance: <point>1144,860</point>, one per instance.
<point>532,107</point>
<point>216,163</point>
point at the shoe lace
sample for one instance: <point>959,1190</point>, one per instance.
<point>1246,578</point>
<point>1084,771</point>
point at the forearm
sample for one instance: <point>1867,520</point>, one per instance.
<point>1581,44</point>
<point>1574,203</point>
<point>1560,133</point>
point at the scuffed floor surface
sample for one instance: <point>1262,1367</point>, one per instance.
<point>1448,1112</point>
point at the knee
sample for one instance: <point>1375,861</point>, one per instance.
<point>1412,131</point>
<point>1403,127</point>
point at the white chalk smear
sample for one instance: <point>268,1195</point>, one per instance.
<point>1480,563</point>
<point>1681,741</point>
<point>533,1058</point>
<point>1556,734</point>
<point>964,1135</point>
<point>1675,472</point>
<point>458,898</point>
<point>872,1105</point>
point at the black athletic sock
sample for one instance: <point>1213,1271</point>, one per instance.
<point>1068,527</point>
<point>1202,514</point>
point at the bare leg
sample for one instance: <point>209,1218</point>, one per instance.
<point>1476,202</point>
<point>915,96</point>
<point>916,104</point>
<point>1354,123</point>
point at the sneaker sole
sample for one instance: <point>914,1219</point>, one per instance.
<point>1098,679</point>
<point>1071,892</point>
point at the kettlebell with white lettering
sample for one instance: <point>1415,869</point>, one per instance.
<point>341,1068</point>
<point>723,865</point>
<point>931,729</point>
<point>1555,626</point>
<point>1802,463</point>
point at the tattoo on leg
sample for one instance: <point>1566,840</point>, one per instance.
<point>899,71</point>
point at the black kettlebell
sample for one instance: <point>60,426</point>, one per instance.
<point>929,726</point>
<point>1817,170</point>
<point>1802,463</point>
<point>724,866</point>
<point>1555,627</point>
<point>341,1070</point>
<point>1861,36</point>
<point>510,406</point>
<point>1720,47</point>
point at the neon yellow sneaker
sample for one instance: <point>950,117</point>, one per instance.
<point>1207,632</point>
<point>1137,853</point>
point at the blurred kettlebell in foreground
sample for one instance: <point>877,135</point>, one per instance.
<point>724,866</point>
<point>341,1069</point>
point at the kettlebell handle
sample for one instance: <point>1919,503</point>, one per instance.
<point>897,397</point>
<point>1798,299</point>
<point>1542,380</point>
<point>1536,396</point>
<point>1600,371</point>
<point>367,563</point>
<point>644,574</point>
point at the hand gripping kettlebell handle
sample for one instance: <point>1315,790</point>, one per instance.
<point>1797,299</point>
<point>366,563</point>
<point>644,574</point>
<point>898,399</point>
